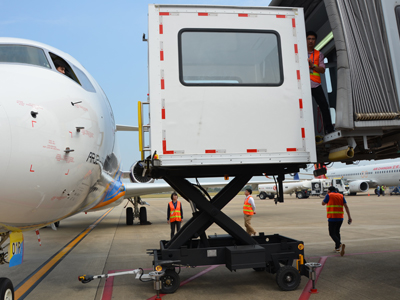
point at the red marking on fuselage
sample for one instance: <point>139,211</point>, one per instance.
<point>70,133</point>
<point>67,172</point>
<point>31,169</point>
<point>33,122</point>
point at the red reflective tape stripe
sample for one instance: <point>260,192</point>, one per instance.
<point>303,133</point>
<point>161,29</point>
<point>291,149</point>
<point>164,13</point>
<point>161,55</point>
<point>281,16</point>
<point>202,14</point>
<point>296,50</point>
<point>251,150</point>
<point>211,151</point>
<point>162,84</point>
<point>164,145</point>
<point>298,74</point>
<point>293,23</point>
<point>163,114</point>
<point>301,103</point>
<point>243,15</point>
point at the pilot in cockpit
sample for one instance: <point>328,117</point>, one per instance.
<point>60,66</point>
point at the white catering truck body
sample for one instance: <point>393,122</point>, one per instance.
<point>227,86</point>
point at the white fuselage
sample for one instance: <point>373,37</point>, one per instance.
<point>288,187</point>
<point>42,114</point>
<point>379,174</point>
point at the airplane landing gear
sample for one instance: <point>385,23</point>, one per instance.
<point>6,289</point>
<point>135,212</point>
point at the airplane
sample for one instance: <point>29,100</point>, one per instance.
<point>59,152</point>
<point>361,178</point>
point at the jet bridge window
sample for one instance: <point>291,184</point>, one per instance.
<point>224,57</point>
<point>24,55</point>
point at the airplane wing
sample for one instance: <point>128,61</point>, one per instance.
<point>140,189</point>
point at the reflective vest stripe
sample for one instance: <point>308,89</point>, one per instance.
<point>315,76</point>
<point>334,206</point>
<point>247,208</point>
<point>175,213</point>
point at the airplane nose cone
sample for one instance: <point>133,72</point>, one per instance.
<point>5,143</point>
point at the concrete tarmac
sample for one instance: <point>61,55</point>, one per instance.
<point>367,271</point>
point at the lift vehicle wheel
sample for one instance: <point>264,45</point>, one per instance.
<point>143,216</point>
<point>129,216</point>
<point>299,195</point>
<point>57,224</point>
<point>6,289</point>
<point>271,196</point>
<point>263,195</point>
<point>170,282</point>
<point>288,278</point>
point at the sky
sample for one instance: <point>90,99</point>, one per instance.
<point>106,38</point>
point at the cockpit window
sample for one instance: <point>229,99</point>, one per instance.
<point>63,67</point>
<point>86,84</point>
<point>24,55</point>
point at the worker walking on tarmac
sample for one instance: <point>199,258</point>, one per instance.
<point>383,190</point>
<point>317,67</point>
<point>378,190</point>
<point>174,214</point>
<point>334,207</point>
<point>249,209</point>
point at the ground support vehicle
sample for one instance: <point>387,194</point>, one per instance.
<point>303,194</point>
<point>236,250</point>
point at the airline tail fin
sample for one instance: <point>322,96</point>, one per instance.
<point>296,176</point>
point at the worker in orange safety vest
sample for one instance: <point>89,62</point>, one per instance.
<point>317,67</point>
<point>334,207</point>
<point>249,209</point>
<point>174,214</point>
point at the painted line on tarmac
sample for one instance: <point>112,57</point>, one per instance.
<point>31,282</point>
<point>305,295</point>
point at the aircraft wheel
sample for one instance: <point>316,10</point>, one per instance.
<point>288,278</point>
<point>170,282</point>
<point>57,224</point>
<point>129,216</point>
<point>6,289</point>
<point>299,195</point>
<point>143,216</point>
<point>262,196</point>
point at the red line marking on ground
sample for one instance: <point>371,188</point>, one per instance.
<point>305,295</point>
<point>108,287</point>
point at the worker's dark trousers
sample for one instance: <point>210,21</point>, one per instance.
<point>173,225</point>
<point>319,96</point>
<point>334,232</point>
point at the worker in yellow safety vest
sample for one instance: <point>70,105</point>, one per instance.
<point>317,67</point>
<point>249,209</point>
<point>334,208</point>
<point>174,214</point>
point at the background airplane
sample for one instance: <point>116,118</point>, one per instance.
<point>361,178</point>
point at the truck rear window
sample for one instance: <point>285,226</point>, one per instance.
<point>218,57</point>
<point>23,54</point>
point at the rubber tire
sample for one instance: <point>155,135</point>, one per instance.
<point>353,194</point>
<point>129,216</point>
<point>170,282</point>
<point>259,269</point>
<point>271,196</point>
<point>299,195</point>
<point>143,215</point>
<point>57,224</point>
<point>288,278</point>
<point>6,289</point>
<point>263,195</point>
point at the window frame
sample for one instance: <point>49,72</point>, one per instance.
<point>222,30</point>
<point>24,63</point>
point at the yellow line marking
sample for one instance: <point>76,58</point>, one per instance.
<point>31,281</point>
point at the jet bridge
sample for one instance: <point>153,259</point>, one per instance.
<point>360,40</point>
